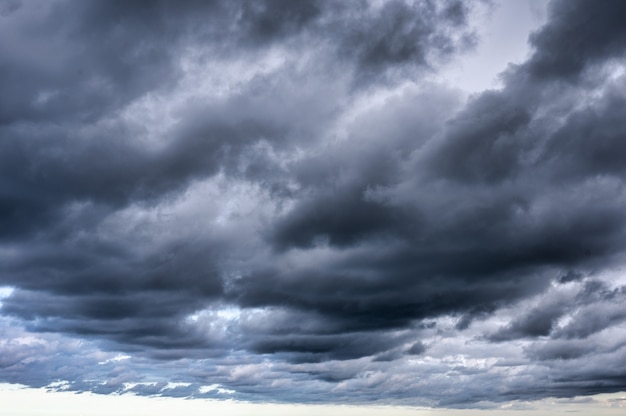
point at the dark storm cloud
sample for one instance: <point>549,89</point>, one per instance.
<point>571,276</point>
<point>417,348</point>
<point>537,323</point>
<point>69,162</point>
<point>591,309</point>
<point>600,309</point>
<point>321,219</point>
<point>325,347</point>
<point>564,350</point>
<point>580,35</point>
<point>575,155</point>
<point>265,194</point>
<point>384,287</point>
<point>82,60</point>
<point>512,189</point>
<point>76,60</point>
<point>100,56</point>
<point>56,166</point>
<point>400,34</point>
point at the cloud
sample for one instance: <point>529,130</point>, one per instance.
<point>273,198</point>
<point>562,51</point>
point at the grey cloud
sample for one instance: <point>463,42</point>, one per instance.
<point>583,374</point>
<point>136,54</point>
<point>595,317</point>
<point>341,218</point>
<point>581,33</point>
<point>566,350</point>
<point>482,142</point>
<point>401,34</point>
<point>388,356</point>
<point>466,319</point>
<point>325,347</point>
<point>575,155</point>
<point>570,276</point>
<point>103,54</point>
<point>538,322</point>
<point>417,348</point>
<point>107,168</point>
<point>316,217</point>
<point>148,389</point>
<point>590,309</point>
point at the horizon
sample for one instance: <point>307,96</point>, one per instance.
<point>63,403</point>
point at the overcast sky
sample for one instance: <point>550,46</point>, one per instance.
<point>365,203</point>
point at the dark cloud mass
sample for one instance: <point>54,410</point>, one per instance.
<point>272,200</point>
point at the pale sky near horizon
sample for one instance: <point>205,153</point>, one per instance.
<point>399,209</point>
<point>22,401</point>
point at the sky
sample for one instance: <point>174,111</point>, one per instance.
<point>285,207</point>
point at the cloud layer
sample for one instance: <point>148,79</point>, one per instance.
<point>271,201</point>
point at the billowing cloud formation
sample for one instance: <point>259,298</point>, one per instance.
<point>269,201</point>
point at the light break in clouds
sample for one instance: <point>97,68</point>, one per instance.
<point>288,201</point>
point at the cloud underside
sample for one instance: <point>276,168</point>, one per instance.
<point>271,199</point>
